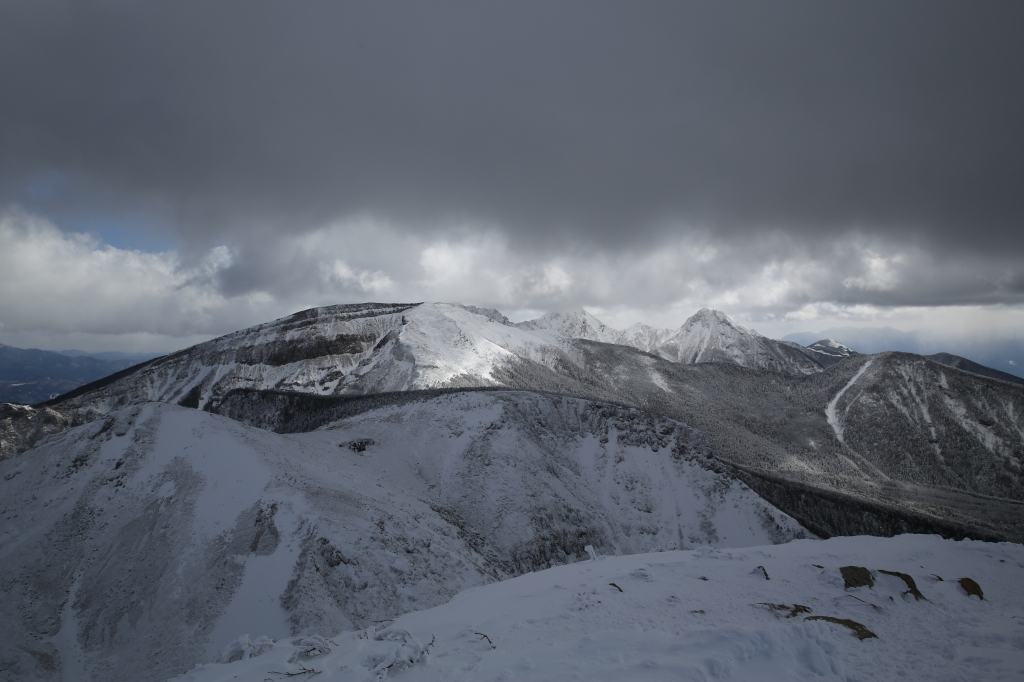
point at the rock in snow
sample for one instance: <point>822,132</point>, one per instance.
<point>703,614</point>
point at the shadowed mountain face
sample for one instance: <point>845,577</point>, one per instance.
<point>904,434</point>
<point>915,441</point>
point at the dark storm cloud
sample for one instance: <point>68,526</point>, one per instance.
<point>604,124</point>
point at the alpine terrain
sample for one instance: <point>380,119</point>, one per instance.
<point>335,469</point>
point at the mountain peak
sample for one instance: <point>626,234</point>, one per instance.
<point>711,314</point>
<point>710,318</point>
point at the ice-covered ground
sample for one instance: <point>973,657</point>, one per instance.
<point>706,614</point>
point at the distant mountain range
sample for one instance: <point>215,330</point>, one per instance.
<point>373,348</point>
<point>1002,355</point>
<point>29,375</point>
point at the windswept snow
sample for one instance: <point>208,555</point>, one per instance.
<point>830,409</point>
<point>752,614</point>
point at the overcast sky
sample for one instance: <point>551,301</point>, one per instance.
<point>171,171</point>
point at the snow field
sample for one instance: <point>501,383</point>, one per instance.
<point>704,614</point>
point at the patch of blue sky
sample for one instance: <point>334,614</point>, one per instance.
<point>124,232</point>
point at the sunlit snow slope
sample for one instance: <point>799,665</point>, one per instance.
<point>345,349</point>
<point>139,545</point>
<point>697,615</point>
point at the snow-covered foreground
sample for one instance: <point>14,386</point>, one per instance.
<point>703,614</point>
<point>138,546</point>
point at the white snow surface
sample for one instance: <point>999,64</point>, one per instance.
<point>704,614</point>
<point>141,544</point>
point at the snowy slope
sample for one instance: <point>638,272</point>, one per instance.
<point>139,545</point>
<point>695,615</point>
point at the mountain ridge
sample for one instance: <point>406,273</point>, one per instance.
<point>706,336</point>
<point>759,418</point>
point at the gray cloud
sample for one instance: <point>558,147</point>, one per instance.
<point>855,154</point>
<point>593,119</point>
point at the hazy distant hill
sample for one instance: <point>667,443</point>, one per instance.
<point>1004,355</point>
<point>30,375</point>
<point>951,360</point>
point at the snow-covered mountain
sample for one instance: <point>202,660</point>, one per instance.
<point>829,352</point>
<point>141,536</point>
<point>769,423</point>
<point>920,447</point>
<point>575,325</point>
<point>696,615</point>
<point>707,336</point>
<point>141,544</point>
<point>374,348</point>
<point>336,350</point>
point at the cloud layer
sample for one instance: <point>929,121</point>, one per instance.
<point>57,284</point>
<point>796,162</point>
